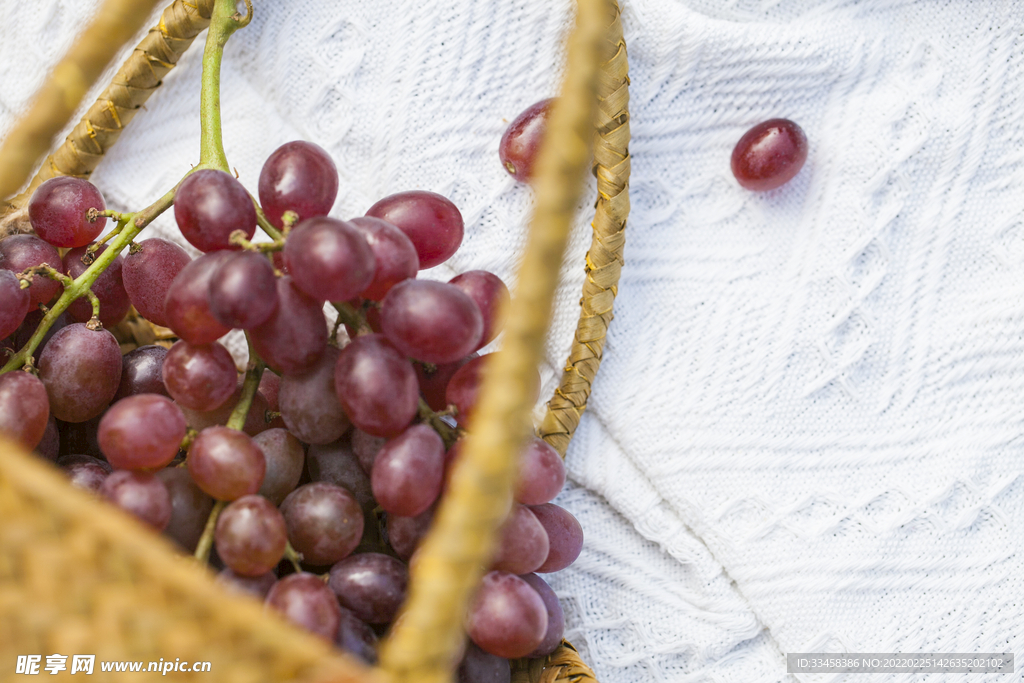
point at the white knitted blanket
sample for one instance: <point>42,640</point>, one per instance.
<point>807,431</point>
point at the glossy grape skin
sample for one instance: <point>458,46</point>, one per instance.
<point>356,637</point>
<point>200,377</point>
<point>541,473</point>
<point>293,338</point>
<point>149,269</point>
<point>142,372</point>
<point>405,533</point>
<point>325,522</point>
<point>430,221</point>
<point>243,291</point>
<point>257,586</point>
<point>393,252</point>
<point>520,142</point>
<point>20,252</point>
<point>108,288</point>
<point>285,459</point>
<point>24,408</point>
<point>255,421</point>
<point>372,585</point>
<point>490,295</point>
<point>49,446</point>
<point>507,617</point>
<point>408,471</point>
<point>187,304</point>
<point>769,155</point>
<point>141,432</point>
<point>58,211</point>
<point>309,404</point>
<point>376,386</point>
<point>335,463</point>
<point>250,536</point>
<point>225,463</point>
<point>556,617</point>
<point>564,534</point>
<point>298,176</point>
<point>81,369</point>
<point>140,494</point>
<point>210,205</point>
<point>84,471</point>
<point>478,666</point>
<point>306,601</point>
<point>329,259</point>
<point>14,303</point>
<point>190,507</point>
<point>431,321</point>
<point>523,543</point>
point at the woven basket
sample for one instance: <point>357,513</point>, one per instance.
<point>79,577</point>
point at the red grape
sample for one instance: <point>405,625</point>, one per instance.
<point>393,252</point>
<point>405,533</point>
<point>521,141</point>
<point>306,601</point>
<point>431,222</point>
<point>556,617</point>
<point>507,617</point>
<point>564,534</point>
<point>250,536</point>
<point>140,494</point>
<point>408,471</point>
<point>463,389</point>
<point>190,507</point>
<point>225,463</point>
<point>335,463</point>
<point>199,376</point>
<point>285,458</point>
<point>21,252</point>
<point>769,155</point>
<point>325,522</point>
<point>24,408</point>
<point>309,404</point>
<point>298,176</point>
<point>366,447</point>
<point>58,211</point>
<point>84,471</point>
<point>490,295</point>
<point>376,386</point>
<point>431,321</point>
<point>372,585</point>
<point>523,545</point>
<point>541,473</point>
<point>108,288</point>
<point>142,372</point>
<point>433,381</point>
<point>187,305</point>
<point>81,369</point>
<point>329,259</point>
<point>141,432</point>
<point>255,421</point>
<point>14,303</point>
<point>209,206</point>
<point>295,335</point>
<point>243,291</point>
<point>149,269</point>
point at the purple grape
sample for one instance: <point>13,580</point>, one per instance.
<point>243,291</point>
<point>329,259</point>
<point>149,269</point>
<point>298,176</point>
<point>556,617</point>
<point>285,459</point>
<point>258,586</point>
<point>14,303</point>
<point>187,305</point>
<point>431,321</point>
<point>309,404</point>
<point>84,471</point>
<point>393,252</point>
<point>141,432</point>
<point>521,141</point>
<point>408,471</point>
<point>293,338</point>
<point>58,211</point>
<point>209,206</point>
<point>335,463</point>
<point>490,295</point>
<point>190,507</point>
<point>478,666</point>
<point>366,447</point>
<point>226,464</point>
<point>433,380</point>
<point>142,372</point>
<point>140,494</point>
<point>306,601</point>
<point>250,536</point>
<point>564,534</point>
<point>21,252</point>
<point>541,473</point>
<point>200,377</point>
<point>24,408</point>
<point>430,221</point>
<point>372,585</point>
<point>325,522</point>
<point>405,533</point>
<point>356,637</point>
<point>108,288</point>
<point>523,545</point>
<point>376,386</point>
<point>507,617</point>
<point>81,369</point>
<point>769,155</point>
<point>49,445</point>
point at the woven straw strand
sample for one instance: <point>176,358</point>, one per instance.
<point>604,260</point>
<point>428,636</point>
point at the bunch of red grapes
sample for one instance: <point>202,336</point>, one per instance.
<point>340,458</point>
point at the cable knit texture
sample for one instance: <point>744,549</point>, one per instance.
<point>806,434</point>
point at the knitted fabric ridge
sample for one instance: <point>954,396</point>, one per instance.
<point>806,430</point>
